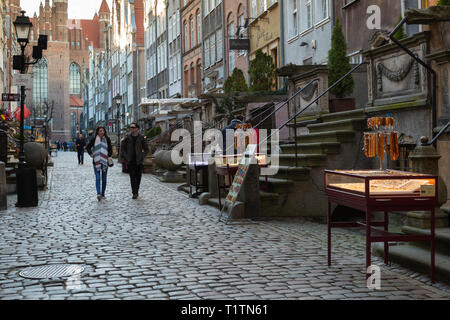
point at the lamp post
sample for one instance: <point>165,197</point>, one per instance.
<point>22,26</point>
<point>26,181</point>
<point>118,101</point>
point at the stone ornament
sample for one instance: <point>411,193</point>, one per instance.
<point>397,75</point>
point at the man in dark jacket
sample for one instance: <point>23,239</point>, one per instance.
<point>133,150</point>
<point>80,144</point>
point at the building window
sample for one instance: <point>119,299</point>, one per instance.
<point>40,83</point>
<point>231,55</point>
<point>206,44</point>
<point>205,8</point>
<point>191,26</point>
<point>75,79</point>
<point>262,6</point>
<point>308,14</point>
<point>186,42</point>
<point>253,9</point>
<point>294,30</point>
<point>219,44</point>
<point>324,9</point>
<point>199,27</point>
<point>212,47</point>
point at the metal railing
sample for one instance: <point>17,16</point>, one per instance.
<point>310,104</point>
<point>438,135</point>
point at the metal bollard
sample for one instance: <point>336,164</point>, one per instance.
<point>3,191</point>
<point>3,143</point>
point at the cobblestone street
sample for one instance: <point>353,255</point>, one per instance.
<point>166,246</point>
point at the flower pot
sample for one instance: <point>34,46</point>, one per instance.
<point>339,105</point>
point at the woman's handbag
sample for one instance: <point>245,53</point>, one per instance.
<point>110,162</point>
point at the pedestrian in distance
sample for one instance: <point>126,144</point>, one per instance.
<point>70,145</point>
<point>100,149</point>
<point>58,145</point>
<point>133,150</point>
<point>80,143</point>
<point>65,146</point>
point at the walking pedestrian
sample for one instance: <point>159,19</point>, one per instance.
<point>80,144</point>
<point>102,150</point>
<point>65,146</point>
<point>70,146</point>
<point>58,145</point>
<point>133,150</point>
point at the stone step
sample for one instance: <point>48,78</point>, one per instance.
<point>303,160</point>
<point>442,238</point>
<point>417,259</point>
<point>268,201</point>
<point>355,124</point>
<point>328,136</point>
<point>9,171</point>
<point>292,173</point>
<point>313,148</point>
<point>275,185</point>
<point>330,117</point>
<point>11,179</point>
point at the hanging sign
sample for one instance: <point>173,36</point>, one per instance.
<point>240,44</point>
<point>10,97</point>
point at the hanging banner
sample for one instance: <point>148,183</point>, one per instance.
<point>26,113</point>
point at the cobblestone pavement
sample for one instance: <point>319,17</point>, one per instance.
<point>165,246</point>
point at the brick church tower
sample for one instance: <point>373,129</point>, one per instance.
<point>104,17</point>
<point>60,16</point>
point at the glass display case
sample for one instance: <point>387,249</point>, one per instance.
<point>381,182</point>
<point>198,159</point>
<point>232,160</point>
<point>384,191</point>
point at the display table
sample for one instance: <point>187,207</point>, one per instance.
<point>381,191</point>
<point>198,163</point>
<point>227,165</point>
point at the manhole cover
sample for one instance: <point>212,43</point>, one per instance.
<point>51,271</point>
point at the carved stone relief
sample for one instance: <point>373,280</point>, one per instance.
<point>397,75</point>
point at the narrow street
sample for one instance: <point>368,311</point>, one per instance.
<point>166,246</point>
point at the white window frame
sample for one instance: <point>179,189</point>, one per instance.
<point>219,44</point>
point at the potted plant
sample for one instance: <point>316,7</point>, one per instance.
<point>338,66</point>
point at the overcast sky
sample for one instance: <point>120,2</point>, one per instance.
<point>78,9</point>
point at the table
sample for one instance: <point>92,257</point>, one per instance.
<point>370,202</point>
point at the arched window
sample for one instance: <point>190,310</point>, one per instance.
<point>75,79</point>
<point>40,83</point>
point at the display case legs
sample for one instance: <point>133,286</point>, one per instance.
<point>329,233</point>
<point>386,243</point>
<point>432,244</point>
<point>368,242</point>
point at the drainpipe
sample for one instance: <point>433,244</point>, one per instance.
<point>282,40</point>
<point>426,66</point>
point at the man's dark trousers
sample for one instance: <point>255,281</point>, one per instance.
<point>135,172</point>
<point>80,155</point>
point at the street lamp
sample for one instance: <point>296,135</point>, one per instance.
<point>26,184</point>
<point>118,101</point>
<point>22,25</point>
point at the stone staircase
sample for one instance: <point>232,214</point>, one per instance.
<point>332,143</point>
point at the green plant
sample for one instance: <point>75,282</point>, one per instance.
<point>400,34</point>
<point>443,3</point>
<point>339,64</point>
<point>262,72</point>
<point>236,82</point>
<point>153,132</point>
